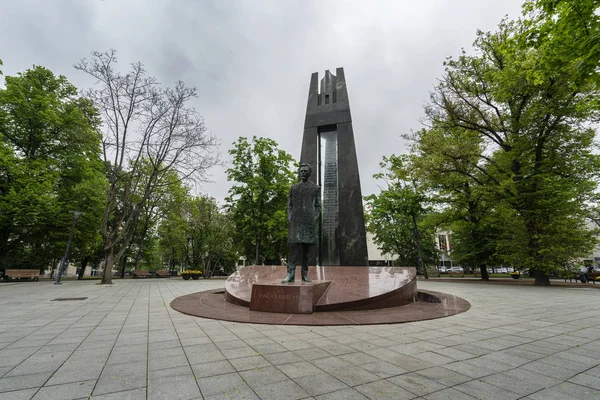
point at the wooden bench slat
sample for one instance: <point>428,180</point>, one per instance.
<point>141,273</point>
<point>22,273</point>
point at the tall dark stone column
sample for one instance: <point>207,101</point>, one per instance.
<point>328,145</point>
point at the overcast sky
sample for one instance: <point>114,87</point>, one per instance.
<point>251,60</point>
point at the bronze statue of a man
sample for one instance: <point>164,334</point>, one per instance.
<point>304,209</point>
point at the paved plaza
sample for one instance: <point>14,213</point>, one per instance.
<point>125,342</point>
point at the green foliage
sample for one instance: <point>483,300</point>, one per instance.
<point>568,32</point>
<point>151,132</point>
<point>212,234</point>
<point>524,109</point>
<point>263,176</point>
<point>397,216</point>
<point>49,165</point>
<point>196,233</point>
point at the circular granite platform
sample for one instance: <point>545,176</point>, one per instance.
<point>212,304</point>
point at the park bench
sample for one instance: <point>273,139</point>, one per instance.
<point>138,273</point>
<point>22,274</point>
<point>461,274</point>
<point>163,273</point>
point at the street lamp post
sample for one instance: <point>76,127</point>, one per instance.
<point>76,215</point>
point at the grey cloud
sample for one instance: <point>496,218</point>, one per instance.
<point>251,60</point>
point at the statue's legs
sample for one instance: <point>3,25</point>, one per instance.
<point>291,267</point>
<point>304,270</point>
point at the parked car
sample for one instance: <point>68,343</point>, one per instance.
<point>456,269</point>
<point>443,269</point>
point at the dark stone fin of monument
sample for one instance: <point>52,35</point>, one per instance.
<point>328,146</point>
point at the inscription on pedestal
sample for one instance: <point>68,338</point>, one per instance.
<point>299,298</point>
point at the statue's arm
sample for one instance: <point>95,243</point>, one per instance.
<point>289,208</point>
<point>318,203</point>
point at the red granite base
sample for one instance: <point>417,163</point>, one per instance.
<point>212,304</point>
<point>347,289</point>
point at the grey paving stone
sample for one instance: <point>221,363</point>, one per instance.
<point>417,384</point>
<point>13,383</point>
<point>482,390</point>
<point>156,364</point>
<point>311,354</point>
<point>337,349</point>
<point>174,386</point>
<point>521,381</point>
<point>565,391</point>
<point>254,362</point>
<point>345,394</point>
<point>550,370</point>
<point>120,377</point>
<point>383,369</point>
<point>453,353</point>
<point>34,368</point>
<point>67,391</point>
<point>227,384</point>
<point>552,336</point>
<point>25,394</point>
<point>263,376</point>
<point>212,368</point>
<point>585,379</point>
<point>477,367</point>
<point>359,358</point>
<point>134,394</point>
<point>242,352</point>
<point>448,394</point>
<point>274,391</point>
<point>269,348</point>
<point>196,357</point>
<point>13,357</point>
<point>299,369</point>
<point>353,375</point>
<point>320,383</point>
<point>282,358</point>
<point>409,363</point>
<point>118,357</point>
<point>444,376</point>
<point>383,389</point>
<point>433,358</point>
<point>245,394</point>
<point>259,341</point>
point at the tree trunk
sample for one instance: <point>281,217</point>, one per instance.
<point>84,264</point>
<point>109,262</point>
<point>256,257</point>
<point>541,278</point>
<point>484,273</point>
<point>418,245</point>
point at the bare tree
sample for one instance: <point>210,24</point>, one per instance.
<point>149,131</point>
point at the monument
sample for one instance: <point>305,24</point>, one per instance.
<point>304,210</point>
<point>328,145</point>
<point>344,289</point>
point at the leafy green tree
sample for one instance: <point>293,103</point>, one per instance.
<point>145,125</point>
<point>257,202</point>
<point>447,159</point>
<point>530,109</point>
<point>49,165</point>
<point>567,31</point>
<point>397,215</point>
<point>212,235</point>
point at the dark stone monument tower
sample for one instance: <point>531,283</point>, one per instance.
<point>328,145</point>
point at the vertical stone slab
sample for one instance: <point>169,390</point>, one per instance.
<point>328,110</point>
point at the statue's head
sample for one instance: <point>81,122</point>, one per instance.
<point>305,171</point>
